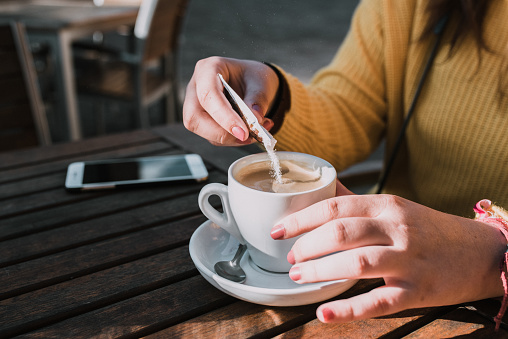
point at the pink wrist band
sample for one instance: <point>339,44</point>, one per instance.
<point>497,217</point>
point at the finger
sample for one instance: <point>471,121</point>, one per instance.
<point>361,263</point>
<point>327,210</point>
<point>198,121</point>
<point>209,91</point>
<point>380,301</point>
<point>260,94</point>
<point>340,235</point>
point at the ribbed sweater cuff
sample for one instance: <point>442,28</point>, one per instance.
<point>282,101</point>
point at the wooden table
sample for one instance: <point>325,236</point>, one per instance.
<point>116,263</point>
<point>58,23</point>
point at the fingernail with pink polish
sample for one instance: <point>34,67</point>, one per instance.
<point>238,133</point>
<point>326,314</point>
<point>277,232</point>
<point>294,273</point>
<point>291,258</point>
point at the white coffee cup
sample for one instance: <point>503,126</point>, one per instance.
<point>250,214</point>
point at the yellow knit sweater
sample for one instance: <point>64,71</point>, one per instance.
<point>456,147</point>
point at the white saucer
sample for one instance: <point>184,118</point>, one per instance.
<point>210,244</point>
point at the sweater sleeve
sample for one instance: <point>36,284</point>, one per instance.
<point>341,115</point>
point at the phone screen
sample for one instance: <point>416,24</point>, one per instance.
<point>145,169</point>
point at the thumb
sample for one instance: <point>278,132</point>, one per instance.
<point>342,190</point>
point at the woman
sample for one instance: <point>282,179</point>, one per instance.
<point>415,236</point>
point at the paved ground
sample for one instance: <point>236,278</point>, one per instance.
<point>299,35</point>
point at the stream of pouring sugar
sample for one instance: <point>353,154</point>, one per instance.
<point>274,159</point>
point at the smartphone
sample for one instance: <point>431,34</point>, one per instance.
<point>103,174</point>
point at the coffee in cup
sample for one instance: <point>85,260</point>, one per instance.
<point>253,202</point>
<point>297,176</point>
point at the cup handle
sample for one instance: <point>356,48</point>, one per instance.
<point>225,220</point>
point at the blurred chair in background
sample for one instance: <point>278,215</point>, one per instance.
<point>143,74</point>
<point>23,120</point>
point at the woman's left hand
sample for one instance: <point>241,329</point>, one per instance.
<point>426,257</point>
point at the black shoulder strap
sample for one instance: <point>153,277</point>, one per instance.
<point>438,30</point>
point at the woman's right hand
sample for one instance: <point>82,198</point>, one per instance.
<point>207,112</point>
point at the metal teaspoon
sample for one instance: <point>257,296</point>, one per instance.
<point>231,270</point>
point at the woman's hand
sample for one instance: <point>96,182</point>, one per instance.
<point>206,110</point>
<point>426,257</point>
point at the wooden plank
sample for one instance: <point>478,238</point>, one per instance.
<point>56,178</point>
<point>79,234</point>
<point>460,322</point>
<point>218,156</point>
<point>242,320</point>
<point>100,204</point>
<point>46,154</point>
<point>83,260</point>
<point>145,313</point>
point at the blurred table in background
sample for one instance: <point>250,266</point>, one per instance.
<point>57,24</point>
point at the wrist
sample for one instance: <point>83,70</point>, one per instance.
<point>498,218</point>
